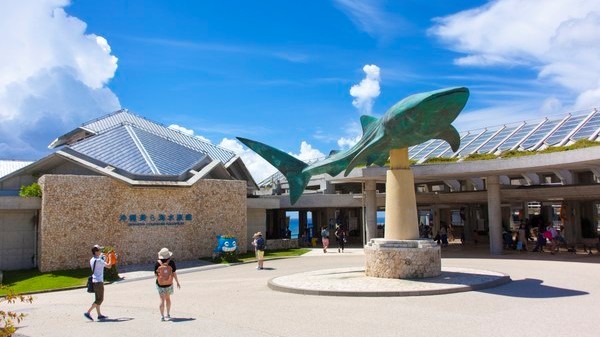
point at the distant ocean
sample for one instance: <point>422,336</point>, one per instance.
<point>294,225</point>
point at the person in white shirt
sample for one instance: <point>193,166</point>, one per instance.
<point>98,263</point>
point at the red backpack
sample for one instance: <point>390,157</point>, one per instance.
<point>165,274</point>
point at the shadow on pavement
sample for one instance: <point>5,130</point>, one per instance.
<point>181,319</point>
<point>115,320</point>
<point>532,288</point>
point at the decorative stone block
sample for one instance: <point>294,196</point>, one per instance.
<point>403,259</point>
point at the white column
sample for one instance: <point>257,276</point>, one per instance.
<point>371,209</point>
<point>494,214</point>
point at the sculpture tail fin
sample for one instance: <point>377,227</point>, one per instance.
<point>289,166</point>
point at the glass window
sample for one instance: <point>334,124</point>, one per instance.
<point>564,130</point>
<point>516,137</point>
<point>539,134</point>
<point>588,128</point>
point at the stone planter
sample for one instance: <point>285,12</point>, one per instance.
<point>403,259</point>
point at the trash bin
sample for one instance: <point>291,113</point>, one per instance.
<point>314,242</point>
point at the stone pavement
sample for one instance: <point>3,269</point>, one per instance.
<point>549,295</point>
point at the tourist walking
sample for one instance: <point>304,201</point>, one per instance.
<point>259,249</point>
<point>444,235</point>
<point>523,238</point>
<point>165,271</point>
<point>340,237</point>
<point>325,238</point>
<point>98,262</point>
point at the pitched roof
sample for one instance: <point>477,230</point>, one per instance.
<point>124,117</point>
<point>139,152</point>
<point>9,166</point>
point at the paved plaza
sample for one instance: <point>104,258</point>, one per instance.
<point>548,296</point>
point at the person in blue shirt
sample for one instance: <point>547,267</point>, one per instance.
<point>259,249</point>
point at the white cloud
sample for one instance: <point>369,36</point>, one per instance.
<point>188,132</point>
<point>497,115</point>
<point>232,145</point>
<point>370,17</point>
<point>181,129</point>
<point>551,106</point>
<point>367,90</point>
<point>259,168</point>
<point>559,38</point>
<point>353,135</point>
<point>308,153</point>
<point>346,143</point>
<point>52,75</point>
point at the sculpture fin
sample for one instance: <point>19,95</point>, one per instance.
<point>382,159</point>
<point>332,152</point>
<point>288,165</point>
<point>366,121</point>
<point>451,136</point>
<point>362,156</point>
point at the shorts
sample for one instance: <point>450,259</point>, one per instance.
<point>98,292</point>
<point>260,254</point>
<point>165,290</point>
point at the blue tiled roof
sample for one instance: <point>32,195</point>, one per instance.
<point>139,152</point>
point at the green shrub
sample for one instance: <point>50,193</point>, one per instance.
<point>480,156</point>
<point>516,153</point>
<point>29,191</point>
<point>440,160</point>
<point>229,257</point>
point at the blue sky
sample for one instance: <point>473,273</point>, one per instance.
<point>281,72</point>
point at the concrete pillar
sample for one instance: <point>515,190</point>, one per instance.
<point>576,220</point>
<point>494,214</point>
<point>435,226</point>
<point>401,215</point>
<point>371,210</point>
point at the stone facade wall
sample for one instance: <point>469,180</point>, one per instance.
<point>80,211</point>
<point>281,244</point>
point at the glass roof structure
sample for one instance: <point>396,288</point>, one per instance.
<point>527,135</point>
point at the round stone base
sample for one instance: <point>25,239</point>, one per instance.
<point>402,259</point>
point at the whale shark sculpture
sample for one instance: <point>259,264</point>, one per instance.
<point>413,120</point>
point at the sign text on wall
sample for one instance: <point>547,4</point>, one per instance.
<point>161,219</point>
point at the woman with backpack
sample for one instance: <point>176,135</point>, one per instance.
<point>164,269</point>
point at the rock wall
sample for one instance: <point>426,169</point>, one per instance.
<point>80,211</point>
<point>403,259</point>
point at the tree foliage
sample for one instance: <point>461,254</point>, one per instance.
<point>29,191</point>
<point>9,318</point>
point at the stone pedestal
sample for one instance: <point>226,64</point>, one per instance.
<point>404,259</point>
